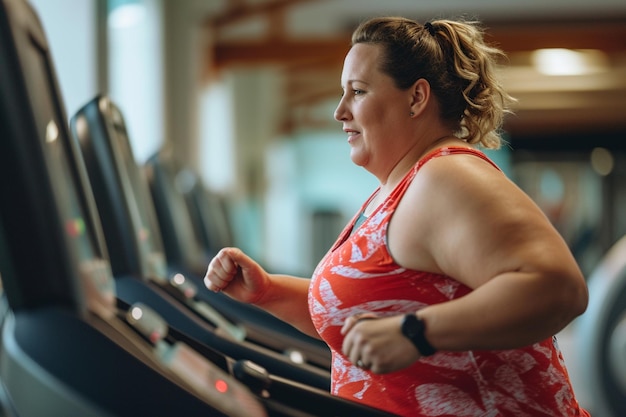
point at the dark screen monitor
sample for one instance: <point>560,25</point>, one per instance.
<point>125,207</point>
<point>41,202</point>
<point>147,230</point>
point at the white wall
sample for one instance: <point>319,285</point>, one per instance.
<point>70,26</point>
<point>305,174</point>
<point>135,58</point>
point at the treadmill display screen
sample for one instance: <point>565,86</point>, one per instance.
<point>147,234</point>
<point>94,270</point>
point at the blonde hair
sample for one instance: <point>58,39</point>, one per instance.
<point>459,66</point>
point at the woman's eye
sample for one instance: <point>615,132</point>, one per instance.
<point>357,92</point>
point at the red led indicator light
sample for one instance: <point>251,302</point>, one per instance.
<point>221,386</point>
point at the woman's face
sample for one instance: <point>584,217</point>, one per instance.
<point>374,112</point>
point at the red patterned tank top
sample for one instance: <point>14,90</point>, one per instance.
<point>359,275</point>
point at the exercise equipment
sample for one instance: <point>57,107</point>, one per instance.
<point>209,213</point>
<point>600,337</point>
<point>142,273</point>
<point>64,350</point>
<point>183,251</point>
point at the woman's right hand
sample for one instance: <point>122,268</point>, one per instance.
<point>237,275</point>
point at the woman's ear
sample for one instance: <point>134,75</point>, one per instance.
<point>420,95</point>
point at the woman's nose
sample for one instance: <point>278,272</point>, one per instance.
<point>341,112</point>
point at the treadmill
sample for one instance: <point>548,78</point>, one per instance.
<point>209,213</point>
<point>167,179</point>
<point>141,271</point>
<point>600,338</point>
<point>65,348</point>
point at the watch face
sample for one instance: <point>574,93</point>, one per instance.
<point>411,326</point>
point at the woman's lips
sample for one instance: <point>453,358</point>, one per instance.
<point>352,135</point>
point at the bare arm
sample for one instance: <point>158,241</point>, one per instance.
<point>287,300</point>
<point>240,277</point>
<point>464,219</point>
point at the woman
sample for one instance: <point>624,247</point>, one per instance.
<point>441,297</point>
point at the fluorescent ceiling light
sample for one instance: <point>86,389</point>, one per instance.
<point>560,61</point>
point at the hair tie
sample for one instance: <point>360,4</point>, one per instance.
<point>430,28</point>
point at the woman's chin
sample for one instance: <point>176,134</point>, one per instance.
<point>358,159</point>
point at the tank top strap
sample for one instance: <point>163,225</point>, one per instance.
<point>452,150</point>
<point>400,189</point>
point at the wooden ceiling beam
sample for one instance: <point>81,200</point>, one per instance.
<point>279,51</point>
<point>607,36</point>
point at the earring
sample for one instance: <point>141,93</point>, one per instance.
<point>411,114</point>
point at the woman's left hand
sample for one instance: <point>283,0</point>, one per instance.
<point>377,344</point>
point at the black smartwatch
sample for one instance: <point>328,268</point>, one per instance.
<point>413,329</point>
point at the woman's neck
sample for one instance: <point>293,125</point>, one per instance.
<point>414,154</point>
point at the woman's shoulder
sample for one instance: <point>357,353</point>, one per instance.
<point>457,170</point>
<point>456,188</point>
